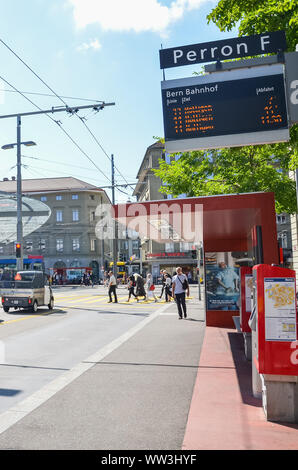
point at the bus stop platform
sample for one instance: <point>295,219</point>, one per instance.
<point>175,385</point>
<point>223,414</point>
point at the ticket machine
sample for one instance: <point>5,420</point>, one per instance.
<point>273,322</point>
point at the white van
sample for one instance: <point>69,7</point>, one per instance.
<point>26,289</point>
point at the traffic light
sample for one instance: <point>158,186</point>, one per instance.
<point>18,250</point>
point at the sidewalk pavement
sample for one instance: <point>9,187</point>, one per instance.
<point>223,414</point>
<point>174,384</point>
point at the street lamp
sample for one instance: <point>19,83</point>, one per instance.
<point>19,190</point>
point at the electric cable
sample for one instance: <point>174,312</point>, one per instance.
<point>62,100</point>
<point>59,124</point>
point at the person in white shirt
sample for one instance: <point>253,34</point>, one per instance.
<point>150,287</point>
<point>112,287</point>
<point>179,289</point>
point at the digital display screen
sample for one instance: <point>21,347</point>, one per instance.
<point>225,107</point>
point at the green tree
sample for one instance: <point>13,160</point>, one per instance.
<point>251,168</point>
<point>232,171</point>
<point>258,16</point>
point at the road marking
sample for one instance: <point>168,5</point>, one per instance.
<point>5,322</point>
<point>22,409</point>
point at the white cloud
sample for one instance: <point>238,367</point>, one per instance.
<point>131,15</point>
<point>92,44</point>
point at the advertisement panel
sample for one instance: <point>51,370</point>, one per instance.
<point>222,287</point>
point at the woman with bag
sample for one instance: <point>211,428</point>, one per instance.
<point>180,286</point>
<point>150,288</point>
<point>131,287</point>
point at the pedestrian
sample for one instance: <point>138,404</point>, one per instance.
<point>150,287</point>
<point>140,290</point>
<point>131,287</point>
<point>168,285</point>
<point>180,286</point>
<point>112,287</point>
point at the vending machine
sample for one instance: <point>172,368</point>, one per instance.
<point>274,335</point>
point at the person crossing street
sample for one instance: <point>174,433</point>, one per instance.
<point>112,287</point>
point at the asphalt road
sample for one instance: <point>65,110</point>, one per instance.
<point>134,396</point>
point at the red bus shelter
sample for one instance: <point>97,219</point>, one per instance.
<point>224,223</point>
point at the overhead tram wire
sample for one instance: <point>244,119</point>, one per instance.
<point>59,124</point>
<point>65,104</point>
<point>51,95</point>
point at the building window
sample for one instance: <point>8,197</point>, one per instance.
<point>281,219</point>
<point>42,245</point>
<point>75,244</point>
<point>185,246</point>
<point>93,244</point>
<point>59,245</point>
<point>135,244</point>
<point>29,245</point>
<point>1,249</point>
<point>74,196</point>
<point>92,197</point>
<point>43,198</point>
<point>58,197</point>
<point>92,216</point>
<point>59,216</point>
<point>75,215</point>
<point>169,247</point>
<point>283,239</point>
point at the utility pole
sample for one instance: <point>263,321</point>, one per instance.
<point>19,261</point>
<point>115,239</point>
<point>71,110</point>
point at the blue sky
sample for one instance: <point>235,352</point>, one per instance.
<point>98,50</point>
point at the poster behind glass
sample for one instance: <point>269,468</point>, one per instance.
<point>222,282</point>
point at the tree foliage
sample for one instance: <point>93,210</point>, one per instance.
<point>232,171</point>
<point>251,168</point>
<point>258,16</point>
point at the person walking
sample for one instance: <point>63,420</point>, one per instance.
<point>180,286</point>
<point>150,287</point>
<point>131,287</point>
<point>168,285</point>
<point>164,274</point>
<point>140,290</point>
<point>112,287</point>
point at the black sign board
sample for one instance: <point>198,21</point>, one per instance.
<point>224,49</point>
<point>221,108</point>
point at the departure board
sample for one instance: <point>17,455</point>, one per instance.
<point>221,108</point>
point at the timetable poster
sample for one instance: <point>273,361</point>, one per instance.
<point>280,309</point>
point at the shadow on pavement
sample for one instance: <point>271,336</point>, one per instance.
<point>243,370</point>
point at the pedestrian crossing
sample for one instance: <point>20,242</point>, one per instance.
<point>94,300</point>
